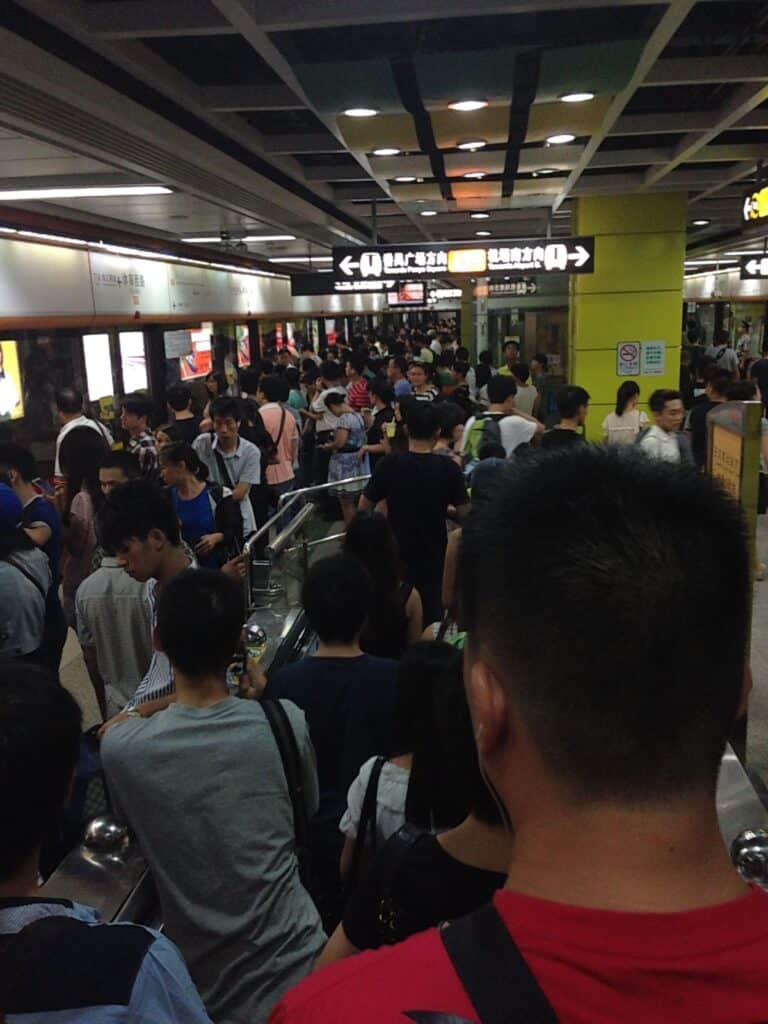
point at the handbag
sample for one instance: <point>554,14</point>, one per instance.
<point>394,922</point>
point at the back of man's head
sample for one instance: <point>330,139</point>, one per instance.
<point>126,462</point>
<point>15,456</point>
<point>199,618</point>
<point>138,405</point>
<point>719,383</point>
<point>69,400</point>
<point>330,370</point>
<point>422,420</point>
<point>500,388</point>
<point>521,372</point>
<point>570,399</point>
<point>627,699</point>
<point>272,388</point>
<point>178,397</point>
<point>134,510</point>
<point>336,596</point>
<point>40,726</point>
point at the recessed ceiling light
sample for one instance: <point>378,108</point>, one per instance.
<point>429,213</point>
<point>467,105</point>
<point>544,170</point>
<point>472,144</point>
<point>701,223</point>
<point>386,151</point>
<point>479,216</point>
<point>301,259</point>
<point>476,175</point>
<point>361,112</point>
<point>269,238</point>
<point>405,179</point>
<point>577,97</point>
<point>561,139</point>
<point>84,193</point>
<point>483,234</point>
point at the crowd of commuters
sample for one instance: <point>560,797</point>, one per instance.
<point>423,763</point>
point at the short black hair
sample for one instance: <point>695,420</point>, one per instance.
<point>659,399</point>
<point>178,396</point>
<point>132,510</point>
<point>334,398</point>
<point>383,390</point>
<point>542,359</point>
<point>40,725</point>
<point>400,363</point>
<point>272,388</point>
<point>125,461</point>
<point>15,456</point>
<point>199,619</point>
<point>357,361</point>
<point>69,400</point>
<point>421,419</point>
<point>249,380</point>
<point>500,388</point>
<point>224,408</point>
<point>741,391</point>
<point>511,342</point>
<point>485,358</point>
<point>330,370</point>
<point>629,699</point>
<point>570,399</point>
<point>336,595</point>
<point>291,376</point>
<point>522,372</point>
<point>449,416</point>
<point>720,382</point>
<point>461,368</point>
<point>137,405</point>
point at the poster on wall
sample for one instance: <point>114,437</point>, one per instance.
<point>199,362</point>
<point>98,366</point>
<point>654,358</point>
<point>243,345</point>
<point>11,394</point>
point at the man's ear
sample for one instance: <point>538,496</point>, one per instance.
<point>157,538</point>
<point>489,707</point>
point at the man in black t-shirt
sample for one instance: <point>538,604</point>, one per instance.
<point>717,385</point>
<point>382,402</point>
<point>186,425</point>
<point>759,372</point>
<point>419,487</point>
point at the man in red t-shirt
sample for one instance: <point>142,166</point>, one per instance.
<point>601,707</point>
<point>357,386</point>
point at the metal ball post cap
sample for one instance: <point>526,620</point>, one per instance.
<point>105,834</point>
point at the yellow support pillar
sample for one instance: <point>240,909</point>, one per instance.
<point>635,294</point>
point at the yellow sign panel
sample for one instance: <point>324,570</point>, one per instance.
<point>756,204</point>
<point>726,460</point>
<point>467,261</point>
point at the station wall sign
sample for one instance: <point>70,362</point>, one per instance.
<point>753,268</point>
<point>628,359</point>
<point>516,255</point>
<point>755,205</point>
<point>522,287</point>
<point>325,284</point>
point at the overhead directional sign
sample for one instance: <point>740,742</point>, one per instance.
<point>755,205</point>
<point>523,286</point>
<point>324,284</point>
<point>753,267</point>
<point>516,255</point>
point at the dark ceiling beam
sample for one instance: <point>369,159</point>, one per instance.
<point>336,173</point>
<point>133,19</point>
<point>675,14</point>
<point>280,145</point>
<point>708,70</point>
<point>250,97</point>
<point>744,100</point>
<point>661,124</point>
<point>738,173</point>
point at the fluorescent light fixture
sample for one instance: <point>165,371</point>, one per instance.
<point>747,252</point>
<point>468,105</point>
<point>472,144</point>
<point>201,239</point>
<point>301,259</point>
<point>475,175</point>
<point>386,151</point>
<point>428,213</point>
<point>479,216</point>
<point>707,263</point>
<point>577,97</point>
<point>361,112</point>
<point>560,139</point>
<point>8,195</point>
<point>405,179</point>
<point>540,171</point>
<point>700,223</point>
<point>52,238</point>
<point>9,231</point>
<point>483,234</point>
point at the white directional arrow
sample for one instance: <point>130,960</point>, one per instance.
<point>753,266</point>
<point>348,266</point>
<point>580,256</point>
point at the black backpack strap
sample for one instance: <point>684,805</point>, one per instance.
<point>367,821</point>
<point>289,754</point>
<point>225,477</point>
<point>499,983</point>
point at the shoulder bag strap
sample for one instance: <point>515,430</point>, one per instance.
<point>499,983</point>
<point>367,819</point>
<point>280,431</point>
<point>28,575</point>
<point>289,754</point>
<point>226,478</point>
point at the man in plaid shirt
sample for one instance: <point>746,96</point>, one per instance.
<point>134,417</point>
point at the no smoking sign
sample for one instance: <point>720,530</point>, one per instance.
<point>628,358</point>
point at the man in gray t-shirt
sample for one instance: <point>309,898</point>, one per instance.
<point>203,788</point>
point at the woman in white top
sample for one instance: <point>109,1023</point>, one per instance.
<point>623,426</point>
<point>417,785</point>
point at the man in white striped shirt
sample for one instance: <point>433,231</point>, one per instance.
<point>138,522</point>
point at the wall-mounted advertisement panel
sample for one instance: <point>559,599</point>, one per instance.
<point>11,392</point>
<point>43,280</point>
<point>123,284</point>
<point>98,366</point>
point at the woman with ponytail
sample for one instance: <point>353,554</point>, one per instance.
<point>210,519</point>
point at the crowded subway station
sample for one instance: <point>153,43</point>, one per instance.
<point>383,479</point>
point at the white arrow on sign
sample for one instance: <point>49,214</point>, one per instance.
<point>347,266</point>
<point>580,257</point>
<point>753,266</point>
